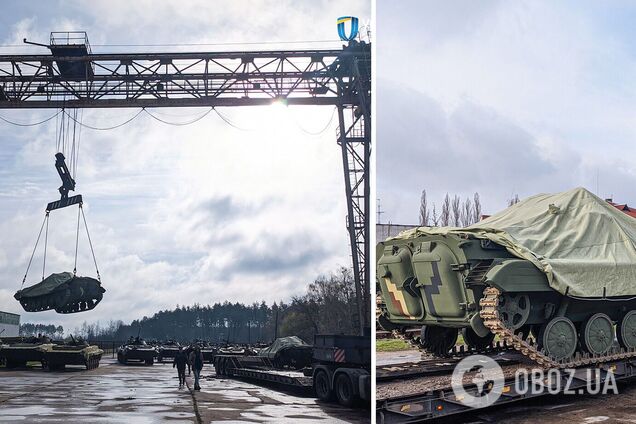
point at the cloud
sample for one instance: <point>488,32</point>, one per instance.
<point>177,215</point>
<point>502,98</point>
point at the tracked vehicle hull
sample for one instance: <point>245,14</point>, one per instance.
<point>454,283</point>
<point>135,353</point>
<point>59,356</point>
<point>63,292</point>
<point>167,352</point>
<point>18,354</point>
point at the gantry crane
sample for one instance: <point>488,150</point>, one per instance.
<point>71,76</point>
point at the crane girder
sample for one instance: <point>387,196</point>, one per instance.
<point>182,79</point>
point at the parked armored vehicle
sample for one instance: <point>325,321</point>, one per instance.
<point>168,350</point>
<point>64,292</point>
<point>136,350</point>
<point>73,352</point>
<point>288,352</point>
<point>208,351</point>
<point>561,266</point>
<point>28,349</point>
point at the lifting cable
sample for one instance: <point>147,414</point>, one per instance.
<point>46,217</point>
<point>77,240</point>
<point>90,243</point>
<point>46,242</point>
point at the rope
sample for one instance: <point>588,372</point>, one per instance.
<point>227,121</point>
<point>46,240</point>
<point>32,124</point>
<point>322,131</point>
<point>90,243</point>
<point>179,123</point>
<point>34,248</point>
<point>107,128</point>
<point>77,240</point>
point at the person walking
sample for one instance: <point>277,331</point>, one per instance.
<point>180,361</point>
<point>196,359</point>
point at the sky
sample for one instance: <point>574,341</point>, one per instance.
<point>503,98</point>
<point>178,215</point>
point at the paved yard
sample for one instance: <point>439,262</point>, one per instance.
<point>115,393</point>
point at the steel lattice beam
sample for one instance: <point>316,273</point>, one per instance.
<point>75,78</point>
<point>173,79</point>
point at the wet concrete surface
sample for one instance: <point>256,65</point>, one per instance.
<point>115,393</point>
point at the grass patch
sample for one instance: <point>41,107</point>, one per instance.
<point>391,345</point>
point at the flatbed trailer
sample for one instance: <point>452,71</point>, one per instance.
<point>340,369</point>
<point>435,404</point>
<point>260,369</point>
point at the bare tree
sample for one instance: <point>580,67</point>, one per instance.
<point>513,200</point>
<point>434,217</point>
<point>425,218</point>
<point>467,213</point>
<point>476,208</point>
<point>444,217</point>
<point>456,209</point>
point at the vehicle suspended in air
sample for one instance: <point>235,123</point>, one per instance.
<point>64,292</point>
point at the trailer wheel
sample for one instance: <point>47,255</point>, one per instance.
<point>321,386</point>
<point>344,390</point>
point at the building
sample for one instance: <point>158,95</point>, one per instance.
<point>9,324</point>
<point>623,208</point>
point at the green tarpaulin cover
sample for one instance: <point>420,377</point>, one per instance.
<point>46,286</point>
<point>279,344</point>
<point>583,244</point>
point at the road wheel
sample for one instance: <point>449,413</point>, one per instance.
<point>597,334</point>
<point>438,340</point>
<point>322,386</point>
<point>473,340</point>
<point>558,338</point>
<point>344,390</point>
<point>626,330</point>
<point>150,361</point>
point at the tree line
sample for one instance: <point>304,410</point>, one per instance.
<point>53,331</point>
<point>455,211</point>
<point>328,306</point>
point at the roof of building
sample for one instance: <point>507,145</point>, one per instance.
<point>629,211</point>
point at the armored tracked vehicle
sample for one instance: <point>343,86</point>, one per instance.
<point>288,352</point>
<point>136,350</point>
<point>74,352</point>
<point>561,267</point>
<point>29,349</point>
<point>64,292</point>
<point>168,350</point>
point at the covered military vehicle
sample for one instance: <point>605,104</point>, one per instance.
<point>561,266</point>
<point>137,350</point>
<point>64,292</point>
<point>288,352</point>
<point>73,352</point>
